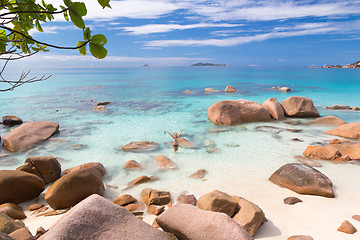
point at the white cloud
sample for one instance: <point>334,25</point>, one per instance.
<point>161,28</point>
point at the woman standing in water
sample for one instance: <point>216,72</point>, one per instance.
<point>176,138</point>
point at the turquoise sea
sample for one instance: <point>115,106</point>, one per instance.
<point>147,101</point>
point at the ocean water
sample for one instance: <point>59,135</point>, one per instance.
<point>147,101</point>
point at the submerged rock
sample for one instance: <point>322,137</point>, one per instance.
<point>218,201</point>
<point>198,174</point>
<point>230,89</point>
<point>187,92</point>
<point>351,130</point>
<point>184,143</point>
<point>301,107</point>
<point>164,163</point>
<point>143,179</point>
<point>101,219</point>
<point>307,161</point>
<point>29,134</point>
<point>74,187</point>
<point>11,120</point>
<point>18,186</point>
<point>275,109</point>
<point>188,222</point>
<point>132,165</point>
<point>250,215</point>
<point>144,146</point>
<point>328,120</point>
<point>303,179</point>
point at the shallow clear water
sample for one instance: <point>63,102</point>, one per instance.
<point>147,101</point>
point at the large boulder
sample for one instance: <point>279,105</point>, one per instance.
<point>300,107</point>
<point>45,167</point>
<point>275,109</point>
<point>98,166</point>
<point>8,225</point>
<point>328,120</point>
<point>154,197</point>
<point>72,188</point>
<point>29,134</point>
<point>218,201</point>
<point>231,112</point>
<point>351,130</point>
<point>189,223</point>
<point>250,215</point>
<point>18,186</point>
<point>22,234</point>
<point>97,218</point>
<point>303,179</point>
<point>329,151</point>
<point>11,120</point>
<point>144,146</point>
<point>12,210</point>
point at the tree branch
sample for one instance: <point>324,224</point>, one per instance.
<point>19,12</point>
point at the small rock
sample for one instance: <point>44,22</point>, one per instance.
<point>40,231</point>
<point>35,206</point>
<point>285,89</point>
<point>187,92</point>
<point>9,225</point>
<point>187,199</point>
<point>134,207</point>
<point>213,150</point>
<point>292,200</point>
<point>77,146</point>
<point>53,212</point>
<point>211,90</point>
<point>307,161</point>
<point>102,103</point>
<point>40,210</point>
<point>11,120</point>
<point>164,163</point>
<point>100,108</point>
<point>155,210</point>
<point>154,224</point>
<point>335,141</point>
<point>300,237</point>
<point>198,174</point>
<point>356,217</point>
<point>144,146</point>
<point>218,201</point>
<point>143,179</point>
<point>132,165</point>
<point>21,234</point>
<point>154,197</point>
<point>230,89</point>
<point>328,120</point>
<point>297,140</point>
<point>347,227</point>
<point>124,199</point>
<point>355,108</point>
<point>12,210</point>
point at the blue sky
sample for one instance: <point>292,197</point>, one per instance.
<point>236,32</point>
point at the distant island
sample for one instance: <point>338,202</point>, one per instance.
<point>200,64</point>
<point>349,65</point>
<point>146,65</point>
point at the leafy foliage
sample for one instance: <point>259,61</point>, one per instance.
<point>18,17</point>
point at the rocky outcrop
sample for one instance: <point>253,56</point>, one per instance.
<point>144,146</point>
<point>164,163</point>
<point>328,120</point>
<point>188,222</point>
<point>11,120</point>
<point>303,179</point>
<point>29,134</point>
<point>9,225</point>
<point>347,227</point>
<point>250,215</point>
<point>18,186</point>
<point>351,130</point>
<point>218,201</point>
<point>154,197</point>
<point>338,107</point>
<point>46,167</point>
<point>72,188</point>
<point>300,107</point>
<point>98,166</point>
<point>12,210</point>
<point>275,109</point>
<point>99,218</point>
<point>328,152</point>
<point>230,89</point>
<point>231,112</point>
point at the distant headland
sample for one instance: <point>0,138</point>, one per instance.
<point>349,65</point>
<point>200,64</point>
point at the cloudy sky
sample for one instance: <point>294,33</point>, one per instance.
<point>236,32</point>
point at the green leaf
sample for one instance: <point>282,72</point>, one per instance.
<point>104,3</point>
<point>97,50</point>
<point>78,8</point>
<point>36,49</point>
<point>99,39</point>
<point>67,2</point>
<point>82,49</point>
<point>38,26</point>
<point>76,20</point>
<point>87,35</point>
<point>2,47</point>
